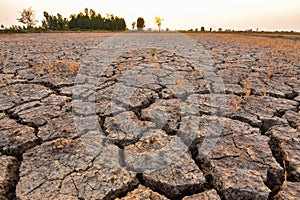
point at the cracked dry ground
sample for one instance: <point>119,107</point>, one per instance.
<point>148,145</point>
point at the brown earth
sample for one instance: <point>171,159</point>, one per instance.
<point>55,144</point>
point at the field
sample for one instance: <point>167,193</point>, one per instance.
<point>149,116</point>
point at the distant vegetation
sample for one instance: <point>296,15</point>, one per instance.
<point>90,20</point>
<point>140,23</point>
<point>28,18</point>
<point>220,30</point>
<point>87,20</point>
<point>246,32</point>
<point>158,21</point>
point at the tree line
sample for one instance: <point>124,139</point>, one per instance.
<point>88,19</point>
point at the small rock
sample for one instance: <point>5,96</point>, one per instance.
<point>143,192</point>
<point>207,195</point>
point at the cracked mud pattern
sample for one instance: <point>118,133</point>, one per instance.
<point>149,116</point>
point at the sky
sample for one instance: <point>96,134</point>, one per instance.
<point>269,15</point>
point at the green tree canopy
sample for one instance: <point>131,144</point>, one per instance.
<point>54,22</point>
<point>140,23</point>
<point>88,19</point>
<point>91,20</point>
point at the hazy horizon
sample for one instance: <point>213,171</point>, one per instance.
<point>178,15</point>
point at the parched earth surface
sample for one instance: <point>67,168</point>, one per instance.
<point>149,116</point>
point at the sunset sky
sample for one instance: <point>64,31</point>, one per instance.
<point>177,14</point>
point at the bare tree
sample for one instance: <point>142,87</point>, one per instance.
<point>158,21</point>
<point>28,17</point>
<point>133,25</point>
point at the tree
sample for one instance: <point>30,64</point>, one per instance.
<point>158,21</point>
<point>28,18</point>
<point>91,20</point>
<point>86,12</point>
<point>92,13</point>
<point>54,22</point>
<point>46,21</point>
<point>2,26</point>
<point>140,23</point>
<point>61,22</point>
<point>133,25</point>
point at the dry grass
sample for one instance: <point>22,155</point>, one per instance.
<point>266,95</point>
<point>87,36</point>
<point>236,102</point>
<point>279,44</point>
<point>157,66</point>
<point>74,67</point>
<point>59,66</point>
<point>5,78</point>
<point>247,88</point>
<point>268,61</point>
<point>273,48</point>
<point>120,66</point>
<point>71,66</point>
<point>56,55</point>
<point>152,51</point>
<point>269,69</point>
<point>180,84</point>
<point>284,184</point>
